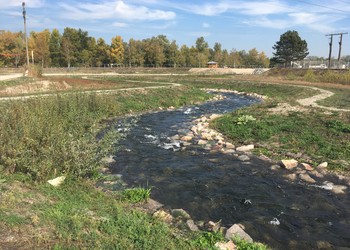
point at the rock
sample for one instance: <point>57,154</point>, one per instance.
<point>186,138</point>
<point>245,148</point>
<point>324,245</point>
<point>237,230</point>
<point>57,181</point>
<point>323,165</point>
<point>243,158</point>
<point>307,166</point>
<point>181,214</point>
<point>307,178</point>
<point>108,160</point>
<point>214,116</point>
<point>229,145</point>
<point>339,189</point>
<point>193,227</point>
<point>152,205</point>
<point>175,137</point>
<point>265,158</point>
<point>202,142</point>
<point>206,136</point>
<point>164,216</point>
<point>212,226</point>
<point>104,170</point>
<point>229,151</point>
<point>225,246</point>
<point>275,167</point>
<point>291,177</point>
<point>317,174</point>
<point>289,164</point>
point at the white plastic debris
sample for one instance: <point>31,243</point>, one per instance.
<point>57,181</point>
<point>275,222</point>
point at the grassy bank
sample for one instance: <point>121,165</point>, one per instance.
<point>45,138</point>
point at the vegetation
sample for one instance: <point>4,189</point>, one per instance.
<point>313,138</point>
<point>46,137</point>
<point>136,195</point>
<point>75,48</point>
<point>313,75</point>
<point>290,48</point>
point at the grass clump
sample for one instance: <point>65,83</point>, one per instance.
<point>207,240</point>
<point>135,195</point>
<point>244,245</point>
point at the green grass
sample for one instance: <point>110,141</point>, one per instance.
<point>321,137</point>
<point>82,217</point>
<point>340,99</point>
<point>14,82</point>
<point>135,195</point>
<point>244,245</point>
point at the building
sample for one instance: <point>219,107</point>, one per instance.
<point>212,64</point>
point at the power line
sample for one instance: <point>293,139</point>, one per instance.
<point>323,6</point>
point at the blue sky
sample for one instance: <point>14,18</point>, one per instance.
<point>236,24</point>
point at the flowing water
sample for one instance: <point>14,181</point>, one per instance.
<point>217,186</point>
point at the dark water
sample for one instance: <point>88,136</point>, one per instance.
<point>213,186</point>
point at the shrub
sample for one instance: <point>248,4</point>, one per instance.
<point>34,70</point>
<point>310,76</point>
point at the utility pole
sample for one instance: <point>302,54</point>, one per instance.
<point>330,50</point>
<point>25,31</point>
<point>340,44</point>
<point>330,47</point>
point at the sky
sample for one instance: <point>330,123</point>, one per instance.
<point>236,24</point>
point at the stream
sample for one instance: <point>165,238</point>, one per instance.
<point>214,186</point>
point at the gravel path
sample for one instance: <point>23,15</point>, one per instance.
<point>311,101</point>
<point>10,76</point>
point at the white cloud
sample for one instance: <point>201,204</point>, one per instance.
<point>120,25</point>
<point>116,10</point>
<point>134,12</point>
<point>165,26</point>
<point>9,4</point>
<point>269,23</point>
<point>206,25</point>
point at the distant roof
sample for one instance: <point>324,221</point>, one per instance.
<point>212,62</point>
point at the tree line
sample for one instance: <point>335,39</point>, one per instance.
<point>75,48</point>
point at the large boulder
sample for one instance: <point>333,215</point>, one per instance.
<point>237,230</point>
<point>289,164</point>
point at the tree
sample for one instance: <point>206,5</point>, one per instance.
<point>290,48</point>
<point>55,48</point>
<point>11,48</point>
<point>117,50</point>
<point>39,43</point>
<point>102,53</point>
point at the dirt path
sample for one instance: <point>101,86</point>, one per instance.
<point>10,76</point>
<point>311,101</point>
